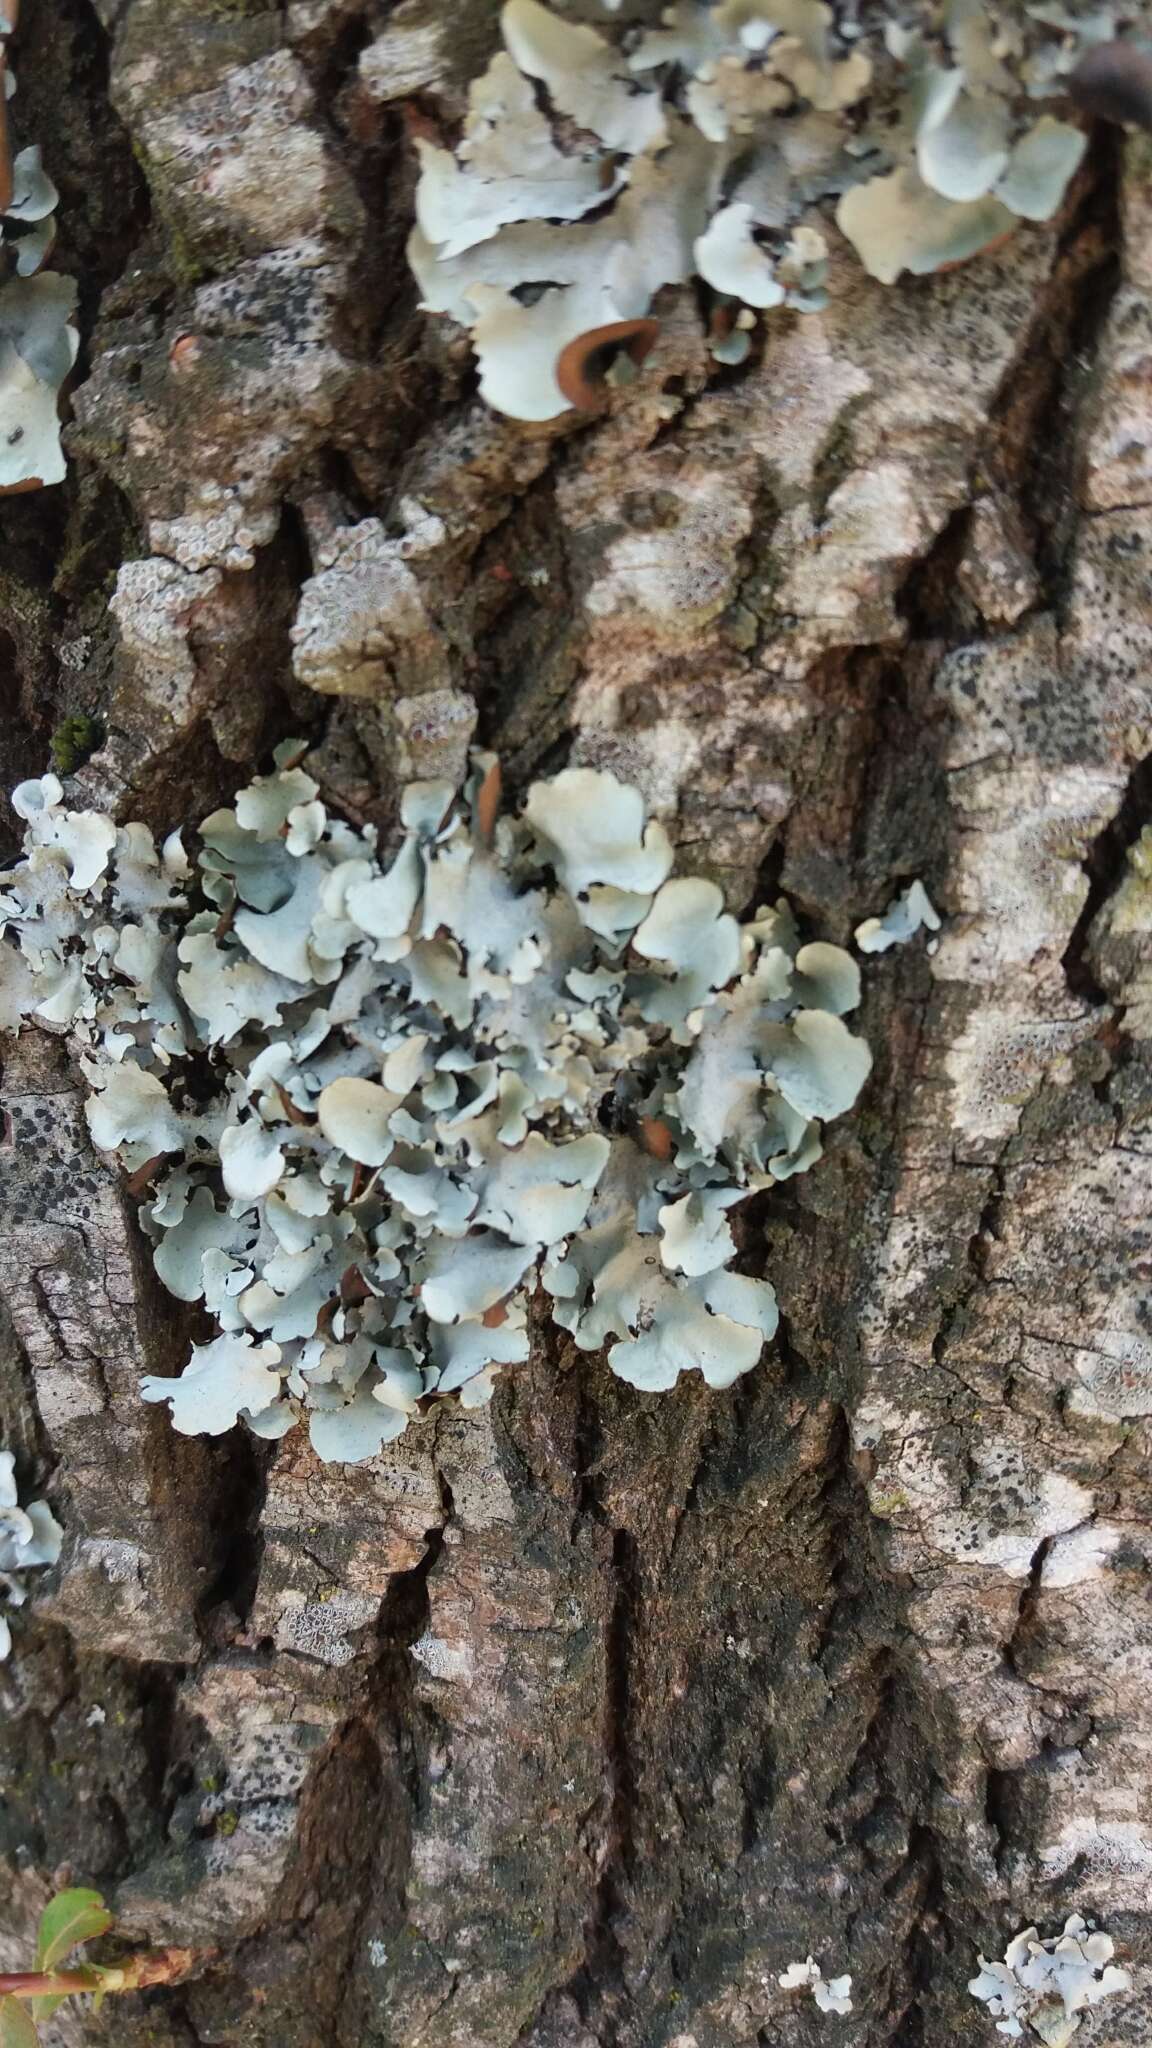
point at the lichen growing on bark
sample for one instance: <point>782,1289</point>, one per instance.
<point>1044,1985</point>
<point>595,168</point>
<point>519,1052</point>
<point>38,344</point>
<point>30,1538</point>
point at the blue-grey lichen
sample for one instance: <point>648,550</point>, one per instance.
<point>37,341</point>
<point>30,1538</point>
<point>908,913</point>
<point>1044,1985</point>
<point>596,167</point>
<point>520,1052</point>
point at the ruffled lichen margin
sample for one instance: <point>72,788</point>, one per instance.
<point>596,167</point>
<point>38,343</point>
<point>521,1052</point>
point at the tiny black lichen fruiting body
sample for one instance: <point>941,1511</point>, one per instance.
<point>1113,82</point>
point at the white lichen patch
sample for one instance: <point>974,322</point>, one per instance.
<point>832,1994</point>
<point>38,344</point>
<point>1043,1985</point>
<point>597,165</point>
<point>368,1104</point>
<point>909,912</point>
<point>30,1538</point>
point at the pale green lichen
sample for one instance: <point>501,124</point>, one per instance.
<point>597,166</point>
<point>519,1053</point>
<point>38,344</point>
<point>30,1539</point>
<point>831,1994</point>
<point>908,913</point>
<point>1043,1986</point>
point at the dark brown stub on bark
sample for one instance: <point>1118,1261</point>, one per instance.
<point>1114,83</point>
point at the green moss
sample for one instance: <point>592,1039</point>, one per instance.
<point>891,1501</point>
<point>228,1823</point>
<point>182,264</point>
<point>74,741</point>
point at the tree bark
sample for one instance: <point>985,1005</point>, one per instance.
<point>572,1722</point>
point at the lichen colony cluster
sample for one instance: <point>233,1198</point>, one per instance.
<point>367,1109</point>
<point>38,344</point>
<point>597,165</point>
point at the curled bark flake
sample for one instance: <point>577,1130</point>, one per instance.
<point>488,803</point>
<point>583,366</point>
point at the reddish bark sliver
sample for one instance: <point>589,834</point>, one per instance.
<point>488,803</point>
<point>656,1138</point>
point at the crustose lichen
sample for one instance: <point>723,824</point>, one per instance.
<point>522,1052</point>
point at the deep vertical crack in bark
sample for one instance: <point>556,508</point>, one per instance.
<point>600,1987</point>
<point>1105,866</point>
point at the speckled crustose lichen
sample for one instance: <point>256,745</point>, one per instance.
<point>598,164</point>
<point>37,342</point>
<point>521,1052</point>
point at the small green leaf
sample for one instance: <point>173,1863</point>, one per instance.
<point>43,2008</point>
<point>69,1918</point>
<point>17,2028</point>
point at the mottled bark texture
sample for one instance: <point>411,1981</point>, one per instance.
<point>571,1723</point>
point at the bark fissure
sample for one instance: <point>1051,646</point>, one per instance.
<point>1104,866</point>
<point>599,1985</point>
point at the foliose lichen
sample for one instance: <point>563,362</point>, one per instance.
<point>1044,1985</point>
<point>30,1538</point>
<point>596,167</point>
<point>367,1108</point>
<point>909,912</point>
<point>832,1994</point>
<point>38,344</point>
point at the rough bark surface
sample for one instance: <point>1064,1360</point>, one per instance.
<point>570,1723</point>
